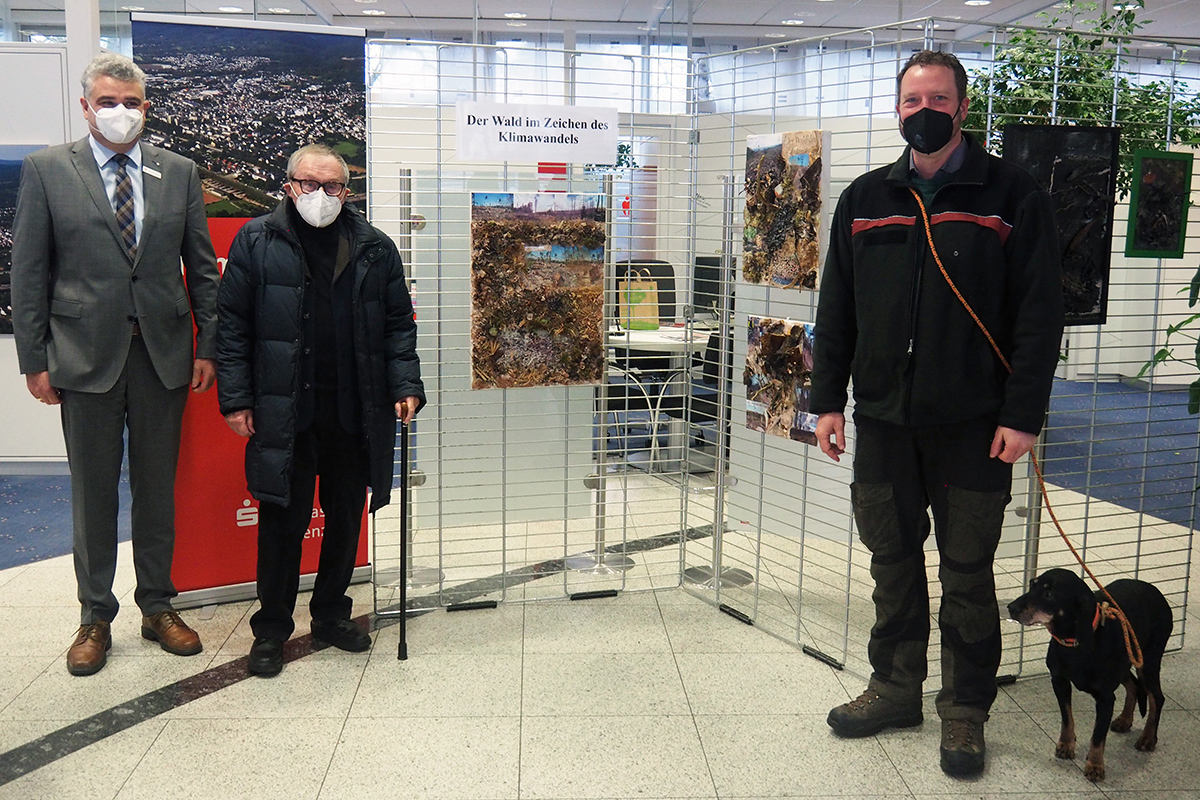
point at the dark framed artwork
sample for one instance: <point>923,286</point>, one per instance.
<point>1078,167</point>
<point>1158,207</point>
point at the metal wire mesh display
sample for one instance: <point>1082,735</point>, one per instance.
<point>532,491</point>
<point>1119,453</point>
<point>545,492</point>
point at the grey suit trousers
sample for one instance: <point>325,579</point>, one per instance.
<point>94,425</point>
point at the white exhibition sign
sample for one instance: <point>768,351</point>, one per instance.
<point>532,133</point>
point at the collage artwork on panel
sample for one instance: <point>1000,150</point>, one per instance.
<point>785,190</point>
<point>778,378</point>
<point>537,289</point>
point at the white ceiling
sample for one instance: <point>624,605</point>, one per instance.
<point>736,18</point>
<point>741,22</point>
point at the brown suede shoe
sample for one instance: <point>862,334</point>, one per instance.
<point>89,652</point>
<point>171,633</point>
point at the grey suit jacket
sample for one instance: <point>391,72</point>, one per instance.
<point>75,290</point>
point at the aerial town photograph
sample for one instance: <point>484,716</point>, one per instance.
<point>237,101</point>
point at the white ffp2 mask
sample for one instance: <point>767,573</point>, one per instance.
<point>317,208</point>
<point>120,125</point>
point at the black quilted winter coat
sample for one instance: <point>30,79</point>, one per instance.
<point>261,333</point>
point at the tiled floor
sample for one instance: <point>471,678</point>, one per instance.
<point>646,695</point>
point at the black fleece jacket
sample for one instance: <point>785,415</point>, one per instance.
<point>888,319</point>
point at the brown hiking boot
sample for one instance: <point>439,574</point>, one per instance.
<point>873,712</point>
<point>962,747</point>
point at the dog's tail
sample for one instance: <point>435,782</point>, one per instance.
<point>1141,692</point>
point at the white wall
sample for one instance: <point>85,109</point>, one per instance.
<point>31,436</point>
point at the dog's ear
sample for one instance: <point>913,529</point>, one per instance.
<point>1084,608</point>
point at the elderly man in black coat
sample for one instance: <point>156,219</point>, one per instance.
<point>316,360</point>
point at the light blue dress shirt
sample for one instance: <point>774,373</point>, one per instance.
<point>108,171</point>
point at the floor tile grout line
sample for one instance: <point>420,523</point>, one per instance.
<point>337,742</point>
<point>26,758</point>
<point>688,698</point>
<point>49,665</point>
<point>142,758</point>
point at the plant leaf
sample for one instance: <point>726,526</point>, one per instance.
<point>1159,357</point>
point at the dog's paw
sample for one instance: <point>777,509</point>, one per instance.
<point>1146,743</point>
<point>1093,772</point>
<point>1065,750</point>
<point>1120,725</point>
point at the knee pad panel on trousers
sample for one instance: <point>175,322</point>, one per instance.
<point>877,521</point>
<point>973,525</point>
<point>969,605</point>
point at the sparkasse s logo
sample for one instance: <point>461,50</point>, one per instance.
<point>247,515</point>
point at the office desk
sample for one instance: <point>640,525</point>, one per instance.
<point>671,341</point>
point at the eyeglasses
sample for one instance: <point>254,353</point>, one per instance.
<point>332,188</point>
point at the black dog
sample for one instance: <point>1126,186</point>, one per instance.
<point>1088,650</point>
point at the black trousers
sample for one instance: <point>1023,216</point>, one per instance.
<point>900,473</point>
<point>339,458</point>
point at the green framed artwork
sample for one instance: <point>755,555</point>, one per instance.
<point>1159,205</point>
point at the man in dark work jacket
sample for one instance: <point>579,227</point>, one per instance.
<point>939,419</point>
<point>316,360</point>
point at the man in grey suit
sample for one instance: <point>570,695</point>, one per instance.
<point>103,316</point>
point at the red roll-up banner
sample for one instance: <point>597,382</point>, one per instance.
<point>216,519</point>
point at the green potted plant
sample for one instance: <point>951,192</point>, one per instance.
<point>1073,76</point>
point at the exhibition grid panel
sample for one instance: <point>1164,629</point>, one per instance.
<point>812,581</point>
<point>518,483</point>
<point>513,473</point>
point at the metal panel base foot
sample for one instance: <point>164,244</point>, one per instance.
<point>605,564</point>
<point>704,576</point>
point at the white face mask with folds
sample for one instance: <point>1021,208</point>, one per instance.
<point>317,208</point>
<point>119,125</point>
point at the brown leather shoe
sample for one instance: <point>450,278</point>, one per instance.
<point>89,652</point>
<point>171,633</point>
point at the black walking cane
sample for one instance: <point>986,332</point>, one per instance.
<point>402,653</point>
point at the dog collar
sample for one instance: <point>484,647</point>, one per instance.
<point>1100,612</point>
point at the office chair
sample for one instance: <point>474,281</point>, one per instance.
<point>629,422</point>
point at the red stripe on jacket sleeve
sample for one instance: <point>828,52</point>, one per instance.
<point>860,225</point>
<point>1002,228</point>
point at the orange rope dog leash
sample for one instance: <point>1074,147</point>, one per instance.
<point>1132,647</point>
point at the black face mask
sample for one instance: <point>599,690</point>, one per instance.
<point>928,130</point>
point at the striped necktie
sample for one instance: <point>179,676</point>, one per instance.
<point>123,204</point>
